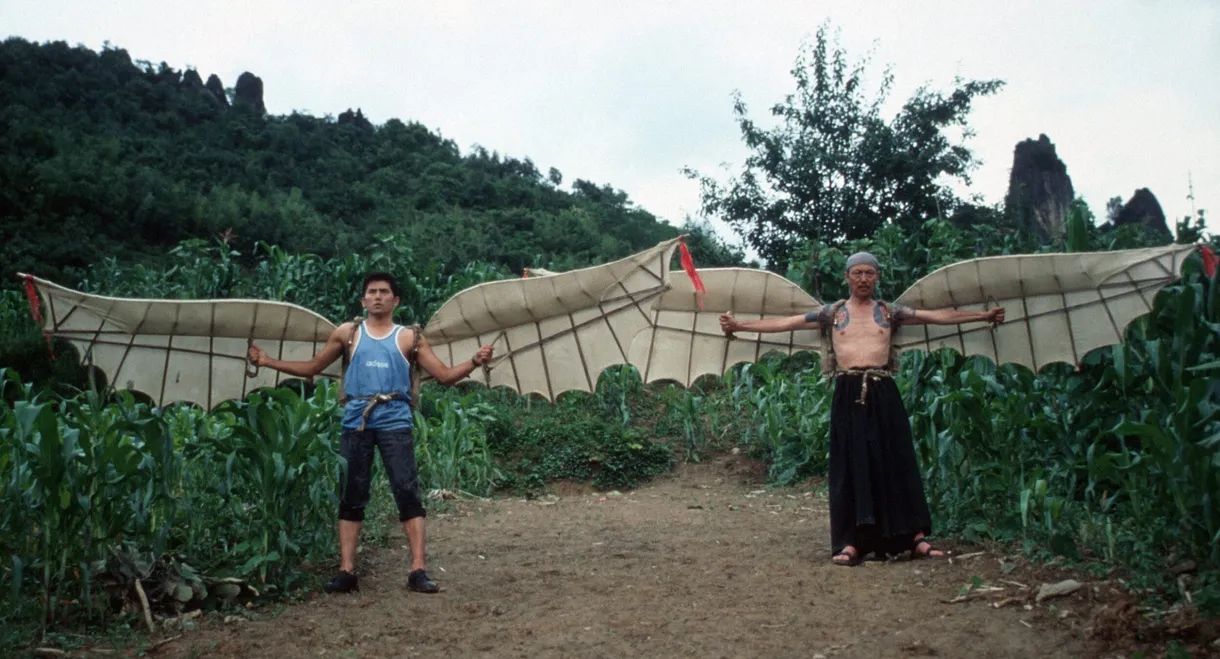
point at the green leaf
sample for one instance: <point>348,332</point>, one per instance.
<point>1025,495</point>
<point>18,576</point>
<point>252,564</point>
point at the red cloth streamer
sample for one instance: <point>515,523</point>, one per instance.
<point>31,294</point>
<point>688,264</point>
<point>1209,261</point>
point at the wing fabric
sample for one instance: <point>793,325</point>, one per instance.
<point>556,332</point>
<point>1058,307</point>
<point>684,343</point>
<point>182,350</point>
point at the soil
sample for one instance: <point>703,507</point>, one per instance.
<point>705,562</point>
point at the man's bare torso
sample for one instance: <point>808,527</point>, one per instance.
<point>861,333</point>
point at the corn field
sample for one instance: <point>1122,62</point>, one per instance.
<point>1116,464</point>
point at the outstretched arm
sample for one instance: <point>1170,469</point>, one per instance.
<point>305,369</point>
<point>909,316</point>
<point>448,375</point>
<point>729,324</point>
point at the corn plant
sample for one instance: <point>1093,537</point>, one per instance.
<point>281,473</point>
<point>249,489</point>
<point>785,416</point>
<point>616,388</point>
<point>451,445</point>
<point>81,476</point>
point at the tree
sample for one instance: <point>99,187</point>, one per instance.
<point>834,169</point>
<point>708,249</point>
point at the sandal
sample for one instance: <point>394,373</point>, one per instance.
<point>847,557</point>
<point>924,549</point>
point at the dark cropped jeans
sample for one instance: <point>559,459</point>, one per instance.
<point>397,453</point>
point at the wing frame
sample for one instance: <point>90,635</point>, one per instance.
<point>1059,306</point>
<point>683,324</point>
<point>159,347</point>
<point>540,323</point>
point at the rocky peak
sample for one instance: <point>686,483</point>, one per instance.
<point>356,119</point>
<point>1039,189</point>
<point>1143,208</point>
<point>217,88</point>
<point>249,90</point>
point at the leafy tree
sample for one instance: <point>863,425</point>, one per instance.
<point>834,168</point>
<point>707,249</point>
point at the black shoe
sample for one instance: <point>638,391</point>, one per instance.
<point>419,582</point>
<point>344,582</point>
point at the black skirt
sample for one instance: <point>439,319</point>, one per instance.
<point>877,500</point>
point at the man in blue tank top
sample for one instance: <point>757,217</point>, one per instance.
<point>377,413</point>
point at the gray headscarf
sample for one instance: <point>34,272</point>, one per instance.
<point>862,258</point>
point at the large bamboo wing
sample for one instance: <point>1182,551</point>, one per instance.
<point>684,342</point>
<point>1058,307</point>
<point>557,332</point>
<point>181,350</point>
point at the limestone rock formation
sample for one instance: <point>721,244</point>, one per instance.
<point>249,89</point>
<point>1039,189</point>
<point>217,88</point>
<point>356,119</point>
<point>1143,208</point>
<point>191,79</point>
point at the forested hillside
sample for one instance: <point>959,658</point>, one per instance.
<point>102,156</point>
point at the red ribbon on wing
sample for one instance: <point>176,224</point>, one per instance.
<point>688,264</point>
<point>31,294</point>
<point>1209,261</point>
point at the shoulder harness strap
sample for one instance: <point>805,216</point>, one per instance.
<point>829,364</point>
<point>346,357</point>
<point>413,353</point>
<point>413,360</point>
<point>888,310</point>
<point>351,339</point>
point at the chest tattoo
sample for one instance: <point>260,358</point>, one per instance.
<point>880,317</point>
<point>842,318</point>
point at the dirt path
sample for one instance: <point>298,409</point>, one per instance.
<point>699,564</point>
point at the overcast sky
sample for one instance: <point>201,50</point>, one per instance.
<point>628,92</point>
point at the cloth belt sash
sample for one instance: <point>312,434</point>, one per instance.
<point>868,373</point>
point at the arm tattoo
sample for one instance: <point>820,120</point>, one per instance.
<point>821,316</point>
<point>902,314</point>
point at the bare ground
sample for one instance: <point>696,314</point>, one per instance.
<point>702,563</point>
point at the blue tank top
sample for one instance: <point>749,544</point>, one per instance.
<point>378,367</point>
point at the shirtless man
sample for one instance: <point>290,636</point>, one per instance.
<point>877,501</point>
<point>377,412</point>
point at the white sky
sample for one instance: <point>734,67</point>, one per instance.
<point>628,92</point>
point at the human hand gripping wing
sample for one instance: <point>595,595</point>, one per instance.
<point>684,341</point>
<point>181,350</point>
<point>556,332</point>
<point>1058,307</point>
